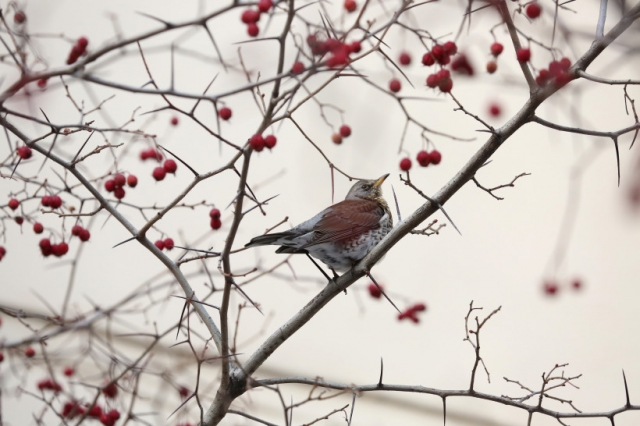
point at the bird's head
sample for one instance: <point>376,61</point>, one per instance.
<point>367,189</point>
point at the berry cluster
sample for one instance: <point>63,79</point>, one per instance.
<point>412,312</point>
<point>557,73</point>
<point>441,79</point>
<point>53,201</point>
<point>48,384</point>
<point>78,49</point>
<point>80,232</point>
<point>258,142</point>
<point>47,248</point>
<point>151,153</point>
<point>551,286</point>
<point>215,222</point>
<point>339,52</point>
<point>250,17</point>
<point>343,132</point>
<point>24,152</point>
<point>169,166</point>
<point>166,244</point>
<point>440,53</point>
<point>116,184</point>
<point>423,158</point>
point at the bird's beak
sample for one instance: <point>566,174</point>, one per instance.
<point>380,180</point>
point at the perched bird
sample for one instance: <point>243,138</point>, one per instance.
<point>340,235</point>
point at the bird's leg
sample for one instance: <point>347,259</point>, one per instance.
<point>336,276</point>
<point>320,268</point>
<point>368,273</point>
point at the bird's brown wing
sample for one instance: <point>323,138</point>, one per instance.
<point>345,220</point>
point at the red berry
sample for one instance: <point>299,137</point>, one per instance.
<point>114,414</point>
<point>110,185</point>
<point>1,357</point>
<point>38,228</point>
<point>374,291</point>
<point>436,157</point>
<point>250,16</point>
<point>3,252</point>
<point>84,235</point>
<point>533,10</point>
<point>404,59</point>
<point>297,68</point>
<point>45,247</point>
<point>110,391</point>
<point>523,54</point>
<point>19,17</point>
<point>350,5</point>
<point>24,152</point>
<point>29,352</point>
<point>450,47</point>
<point>106,420</point>
<point>55,201</point>
<point>445,85</point>
<point>345,131</point>
<point>42,83</point>
<point>355,46</point>
<point>95,412</point>
<point>395,85</point>
<point>576,284</point>
<point>438,53</point>
<point>119,192</point>
<point>168,243</point>
<point>82,42</point>
<point>265,5</point>
<point>68,371</point>
<point>19,220</point>
<point>496,49</point>
<point>215,223</point>
<point>543,77</point>
<point>170,166</point>
<point>428,59</point>
<point>270,141</point>
<point>13,203</point>
<point>462,65</point>
<point>336,138</point>
<point>183,391</point>
<point>253,29</point>
<point>565,63</point>
<point>119,180</point>
<point>432,80</point>
<point>224,113</point>
<point>257,142</point>
<point>214,213</point>
<point>174,121</point>
<point>423,158</point>
<point>405,164</point>
<point>494,110</point>
<point>550,288</point>
<point>159,244</point>
<point>492,66</point>
<point>132,181</point>
<point>75,230</point>
<point>159,173</point>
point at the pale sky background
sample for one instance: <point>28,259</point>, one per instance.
<point>502,258</point>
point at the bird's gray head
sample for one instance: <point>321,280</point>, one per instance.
<point>367,189</point>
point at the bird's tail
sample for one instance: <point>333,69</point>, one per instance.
<point>267,239</point>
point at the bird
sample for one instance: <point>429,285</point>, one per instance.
<point>342,234</point>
